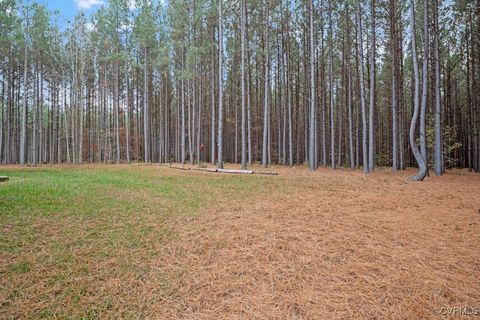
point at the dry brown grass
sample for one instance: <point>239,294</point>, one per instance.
<point>322,245</point>
<point>333,245</point>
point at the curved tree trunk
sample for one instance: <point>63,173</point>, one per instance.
<point>422,172</point>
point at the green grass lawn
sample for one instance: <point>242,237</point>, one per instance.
<point>150,242</point>
<point>74,239</point>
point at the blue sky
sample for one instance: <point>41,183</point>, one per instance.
<point>69,8</point>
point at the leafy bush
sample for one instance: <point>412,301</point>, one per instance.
<point>450,145</point>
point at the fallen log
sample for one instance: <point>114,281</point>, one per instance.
<point>228,171</point>
<point>234,171</point>
<point>3,178</point>
<point>266,173</point>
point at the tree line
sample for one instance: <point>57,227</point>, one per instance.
<point>354,83</point>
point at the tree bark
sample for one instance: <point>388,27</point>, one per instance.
<point>242,63</point>
<point>423,109</point>
<point>394,88</point>
<point>23,135</point>
<point>266,122</point>
<point>220,84</point>
<point>413,144</point>
<point>312,133</point>
<point>362,90</point>
<point>146,111</point>
<point>371,132</point>
<point>438,108</point>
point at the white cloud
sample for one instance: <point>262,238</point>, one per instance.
<point>89,26</point>
<point>87,4</point>
<point>132,5</point>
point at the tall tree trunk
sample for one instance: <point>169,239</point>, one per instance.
<point>362,89</point>
<point>2,115</point>
<point>350,120</point>
<point>23,135</point>
<point>146,111</point>
<point>402,118</point>
<point>312,133</point>
<point>438,108</point>
<point>212,111</point>
<point>331,86</point>
<point>249,116</point>
<point>199,123</point>
<point>182,125</point>
<point>289,103</point>
<point>36,95</point>
<point>423,109</point>
<point>266,122</point>
<point>242,64</point>
<point>476,82</point>
<point>191,122</point>
<point>127,118</point>
<point>371,132</point>
<point>394,87</point>
<point>220,84</point>
<point>117,117</point>
<point>413,144</point>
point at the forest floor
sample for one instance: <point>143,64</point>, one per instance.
<point>151,242</point>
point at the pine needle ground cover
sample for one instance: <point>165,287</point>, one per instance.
<point>149,242</point>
